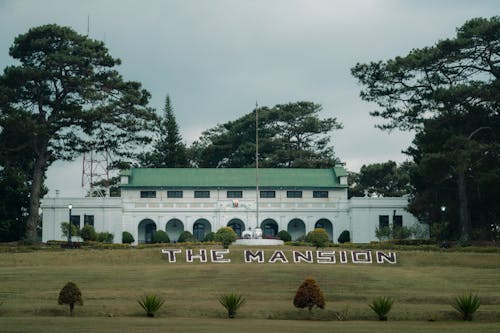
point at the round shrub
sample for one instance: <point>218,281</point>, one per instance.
<point>160,236</point>
<point>210,237</point>
<point>284,236</point>
<point>186,237</point>
<point>345,237</point>
<point>88,233</point>
<point>226,236</point>
<point>127,238</point>
<point>70,294</point>
<point>318,238</point>
<point>105,237</point>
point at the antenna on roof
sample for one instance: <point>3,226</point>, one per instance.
<point>88,24</point>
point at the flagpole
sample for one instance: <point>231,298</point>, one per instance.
<point>257,164</point>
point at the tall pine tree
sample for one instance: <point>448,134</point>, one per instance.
<point>169,151</point>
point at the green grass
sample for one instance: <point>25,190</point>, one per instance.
<point>422,285</point>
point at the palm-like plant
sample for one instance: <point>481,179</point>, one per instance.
<point>231,303</point>
<point>150,304</point>
<point>381,306</point>
<point>467,305</point>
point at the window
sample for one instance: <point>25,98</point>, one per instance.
<point>88,219</point>
<point>148,194</point>
<point>174,194</point>
<point>397,221</point>
<point>294,194</point>
<point>202,194</point>
<point>320,194</point>
<point>383,221</point>
<point>267,194</point>
<point>234,194</point>
<point>75,220</point>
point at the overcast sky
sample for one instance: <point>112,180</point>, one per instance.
<point>217,58</point>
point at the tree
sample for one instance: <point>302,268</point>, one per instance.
<point>318,238</point>
<point>70,294</point>
<point>160,236</point>
<point>455,78</point>
<point>226,236</point>
<point>382,179</point>
<point>71,100</point>
<point>169,151</point>
<point>290,136</point>
<point>309,295</point>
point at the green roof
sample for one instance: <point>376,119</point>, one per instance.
<point>233,178</point>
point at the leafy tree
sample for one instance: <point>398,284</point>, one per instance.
<point>383,179</point>
<point>309,295</point>
<point>290,136</point>
<point>169,151</point>
<point>453,80</point>
<point>226,236</point>
<point>70,294</point>
<point>160,236</point>
<point>70,99</point>
<point>318,238</point>
<point>88,233</point>
<point>284,236</point>
<point>64,229</point>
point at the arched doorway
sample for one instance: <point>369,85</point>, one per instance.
<point>174,228</point>
<point>201,228</point>
<point>269,228</point>
<point>327,225</point>
<point>296,229</point>
<point>237,225</point>
<point>145,231</point>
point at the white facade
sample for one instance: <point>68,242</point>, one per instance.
<point>298,215</point>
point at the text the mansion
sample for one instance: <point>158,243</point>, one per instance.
<point>279,256</point>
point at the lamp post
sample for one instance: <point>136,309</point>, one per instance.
<point>70,206</point>
<point>443,241</point>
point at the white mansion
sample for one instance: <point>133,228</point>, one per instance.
<point>202,200</point>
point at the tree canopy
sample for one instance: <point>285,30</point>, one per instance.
<point>455,81</point>
<point>169,151</point>
<point>290,136</point>
<point>71,99</point>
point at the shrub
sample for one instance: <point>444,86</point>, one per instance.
<point>226,236</point>
<point>127,238</point>
<point>381,306</point>
<point>231,303</point>
<point>88,233</point>
<point>318,238</point>
<point>401,233</point>
<point>160,236</point>
<point>210,237</point>
<point>466,305</point>
<point>151,304</point>
<point>345,237</point>
<point>70,294</point>
<point>105,237</point>
<point>186,237</point>
<point>64,229</point>
<point>284,236</point>
<point>309,295</point>
<point>383,233</point>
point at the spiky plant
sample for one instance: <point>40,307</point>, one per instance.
<point>231,303</point>
<point>466,305</point>
<point>381,306</point>
<point>151,304</point>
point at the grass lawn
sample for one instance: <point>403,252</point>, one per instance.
<point>422,284</point>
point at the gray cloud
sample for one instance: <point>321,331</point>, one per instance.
<point>217,58</point>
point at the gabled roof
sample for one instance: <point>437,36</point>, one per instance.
<point>232,178</point>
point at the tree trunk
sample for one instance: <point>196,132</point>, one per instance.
<point>464,216</point>
<point>36,189</point>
